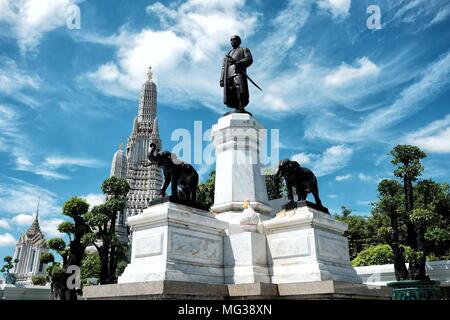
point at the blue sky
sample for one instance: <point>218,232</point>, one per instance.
<point>341,95</point>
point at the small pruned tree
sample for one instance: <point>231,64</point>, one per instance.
<point>407,158</point>
<point>390,202</point>
<point>102,221</point>
<point>9,264</point>
<point>71,254</point>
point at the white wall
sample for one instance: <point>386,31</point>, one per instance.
<point>381,274</point>
<point>13,292</point>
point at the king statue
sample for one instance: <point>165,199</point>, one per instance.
<point>234,76</point>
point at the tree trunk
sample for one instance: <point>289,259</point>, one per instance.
<point>112,253</point>
<point>57,291</point>
<point>420,272</point>
<point>411,234</point>
<point>401,273</point>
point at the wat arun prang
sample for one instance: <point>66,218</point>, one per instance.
<point>145,182</point>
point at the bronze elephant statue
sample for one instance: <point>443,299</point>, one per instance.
<point>299,177</point>
<point>176,173</point>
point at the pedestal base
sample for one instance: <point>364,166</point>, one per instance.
<point>308,245</point>
<point>245,258</point>
<point>325,290</point>
<point>175,242</point>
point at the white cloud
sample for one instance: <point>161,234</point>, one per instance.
<point>274,48</point>
<point>23,219</point>
<point>435,137</point>
<point>338,8</point>
<point>433,79</point>
<point>332,159</point>
<point>7,240</point>
<point>57,162</point>
<point>303,158</point>
<point>17,144</point>
<point>332,196</point>
<point>29,20</point>
<point>12,79</point>
<point>50,227</point>
<point>4,224</point>
<point>346,74</point>
<point>94,199</point>
<point>363,177</point>
<point>344,177</point>
<point>189,44</point>
<point>364,202</point>
<point>19,197</point>
<point>440,16</point>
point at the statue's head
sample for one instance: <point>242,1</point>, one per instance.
<point>235,41</point>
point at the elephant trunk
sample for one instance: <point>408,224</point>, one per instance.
<point>278,173</point>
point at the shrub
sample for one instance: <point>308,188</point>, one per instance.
<point>39,280</point>
<point>374,255</point>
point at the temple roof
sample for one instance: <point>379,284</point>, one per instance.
<point>34,233</point>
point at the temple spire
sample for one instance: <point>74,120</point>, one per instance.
<point>150,73</point>
<point>35,228</point>
<point>37,210</point>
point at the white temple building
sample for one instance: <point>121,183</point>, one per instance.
<point>29,248</point>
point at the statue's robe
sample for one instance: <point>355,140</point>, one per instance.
<point>234,74</point>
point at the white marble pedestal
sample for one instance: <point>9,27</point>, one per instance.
<point>238,139</point>
<point>245,258</point>
<point>175,242</point>
<point>308,245</point>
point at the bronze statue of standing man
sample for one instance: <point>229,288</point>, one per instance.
<point>234,76</point>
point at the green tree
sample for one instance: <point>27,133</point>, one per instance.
<point>274,185</point>
<point>90,267</point>
<point>71,254</point>
<point>435,197</point>
<point>357,233</point>
<point>102,221</point>
<point>205,194</point>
